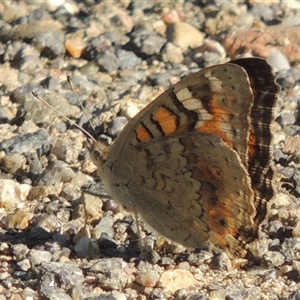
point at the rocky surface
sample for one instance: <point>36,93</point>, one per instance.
<point>121,55</point>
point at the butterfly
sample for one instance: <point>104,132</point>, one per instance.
<point>196,162</point>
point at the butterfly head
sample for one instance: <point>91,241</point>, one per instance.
<point>98,153</point>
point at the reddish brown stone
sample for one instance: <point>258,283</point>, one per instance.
<point>260,41</point>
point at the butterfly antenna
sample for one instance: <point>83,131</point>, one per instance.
<point>79,102</point>
<point>62,115</point>
<point>77,126</point>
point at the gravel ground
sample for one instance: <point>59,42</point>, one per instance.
<point>121,55</point>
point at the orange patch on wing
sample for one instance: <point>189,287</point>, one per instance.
<point>142,134</point>
<point>167,121</point>
<point>220,232</point>
<point>251,143</point>
<point>213,125</point>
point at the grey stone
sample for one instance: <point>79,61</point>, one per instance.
<point>37,257</point>
<point>28,142</point>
